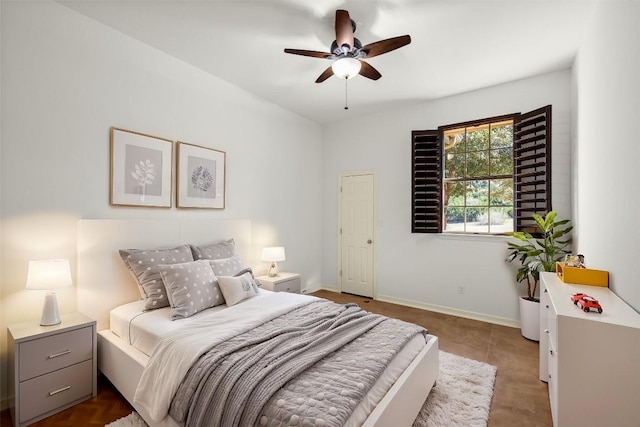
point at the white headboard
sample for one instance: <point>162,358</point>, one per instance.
<point>103,281</point>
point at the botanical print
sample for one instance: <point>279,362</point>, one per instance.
<point>143,166</point>
<point>201,177</point>
<point>141,169</point>
<point>144,174</point>
<point>202,173</point>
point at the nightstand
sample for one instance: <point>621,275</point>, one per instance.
<point>285,282</point>
<point>50,368</point>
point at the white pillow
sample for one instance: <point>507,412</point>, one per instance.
<point>236,289</point>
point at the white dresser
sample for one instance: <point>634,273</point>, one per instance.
<point>591,361</point>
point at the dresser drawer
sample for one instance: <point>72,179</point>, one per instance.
<point>551,322</point>
<point>289,285</point>
<point>44,355</point>
<point>54,390</point>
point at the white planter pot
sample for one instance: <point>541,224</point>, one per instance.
<point>530,319</point>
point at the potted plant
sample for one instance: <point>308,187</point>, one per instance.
<point>536,254</point>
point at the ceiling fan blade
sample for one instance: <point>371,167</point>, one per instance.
<point>384,46</point>
<point>325,75</point>
<point>369,72</point>
<point>344,30</point>
<point>311,53</point>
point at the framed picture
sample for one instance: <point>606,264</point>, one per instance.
<point>201,177</point>
<point>141,168</point>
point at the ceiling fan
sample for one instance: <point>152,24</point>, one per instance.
<point>347,53</point>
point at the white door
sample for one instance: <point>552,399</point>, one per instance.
<point>357,244</point>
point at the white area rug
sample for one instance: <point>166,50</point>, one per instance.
<point>131,420</point>
<point>461,397</point>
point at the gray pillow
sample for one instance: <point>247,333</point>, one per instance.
<point>218,250</point>
<point>236,289</point>
<point>227,266</point>
<point>142,263</point>
<point>191,288</point>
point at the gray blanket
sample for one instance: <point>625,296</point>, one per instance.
<point>310,366</point>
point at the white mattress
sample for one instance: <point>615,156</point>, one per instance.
<point>143,330</point>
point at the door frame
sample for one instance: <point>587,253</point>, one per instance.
<point>374,275</point>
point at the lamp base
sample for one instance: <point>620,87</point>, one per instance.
<point>50,313</point>
<point>273,270</point>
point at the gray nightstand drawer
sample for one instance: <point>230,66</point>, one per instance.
<point>55,390</point>
<point>290,285</point>
<point>43,355</point>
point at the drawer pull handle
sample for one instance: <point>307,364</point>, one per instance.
<point>62,353</point>
<point>60,390</point>
<point>546,331</point>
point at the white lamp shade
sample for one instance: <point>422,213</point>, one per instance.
<point>273,254</point>
<point>49,274</point>
<point>346,68</point>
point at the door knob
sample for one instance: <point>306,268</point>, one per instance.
<point>369,241</point>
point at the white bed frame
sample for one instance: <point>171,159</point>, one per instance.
<point>104,283</point>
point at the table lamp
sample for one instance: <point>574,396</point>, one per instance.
<point>273,255</point>
<point>49,274</point>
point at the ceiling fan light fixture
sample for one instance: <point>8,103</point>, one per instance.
<point>346,68</point>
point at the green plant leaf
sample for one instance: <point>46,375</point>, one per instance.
<point>539,254</point>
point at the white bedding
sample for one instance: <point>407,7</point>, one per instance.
<point>145,331</point>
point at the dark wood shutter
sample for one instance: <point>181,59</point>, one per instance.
<point>426,177</point>
<point>531,167</point>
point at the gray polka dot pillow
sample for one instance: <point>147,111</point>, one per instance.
<point>191,288</point>
<point>227,266</point>
<point>142,263</point>
<point>218,250</point>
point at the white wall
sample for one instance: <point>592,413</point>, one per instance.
<point>607,146</point>
<point>66,80</point>
<point>426,269</point>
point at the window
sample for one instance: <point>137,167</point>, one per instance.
<point>485,176</point>
<point>478,177</point>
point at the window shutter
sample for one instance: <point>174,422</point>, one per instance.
<point>531,167</point>
<point>426,177</point>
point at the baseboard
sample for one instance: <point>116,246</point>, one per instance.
<point>451,311</point>
<point>497,320</point>
<point>312,289</point>
<point>4,404</point>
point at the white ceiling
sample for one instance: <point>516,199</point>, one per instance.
<point>457,46</point>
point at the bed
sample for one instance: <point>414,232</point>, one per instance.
<point>126,339</point>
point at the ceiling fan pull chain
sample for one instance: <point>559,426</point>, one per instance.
<point>346,98</point>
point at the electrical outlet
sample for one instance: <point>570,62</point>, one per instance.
<point>461,289</point>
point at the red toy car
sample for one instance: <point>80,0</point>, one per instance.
<point>577,297</point>
<point>587,303</point>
